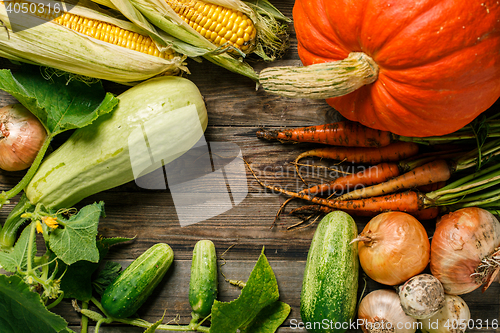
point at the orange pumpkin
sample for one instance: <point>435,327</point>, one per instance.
<point>438,61</point>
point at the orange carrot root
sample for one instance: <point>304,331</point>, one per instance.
<point>390,153</point>
<point>375,174</point>
<point>433,172</point>
<point>409,201</point>
<point>342,133</point>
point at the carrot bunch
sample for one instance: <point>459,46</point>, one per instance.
<point>399,176</point>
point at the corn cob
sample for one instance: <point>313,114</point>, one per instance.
<point>96,37</point>
<point>112,34</point>
<point>255,27</point>
<point>222,26</point>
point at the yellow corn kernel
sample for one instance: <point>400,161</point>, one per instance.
<point>222,26</point>
<point>102,31</point>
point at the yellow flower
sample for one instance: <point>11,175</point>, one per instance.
<point>39,227</point>
<point>51,222</point>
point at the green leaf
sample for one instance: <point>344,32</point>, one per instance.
<point>260,291</point>
<point>77,281</point>
<point>59,102</point>
<point>269,318</point>
<point>22,311</point>
<point>76,239</point>
<point>106,276</point>
<point>18,257</point>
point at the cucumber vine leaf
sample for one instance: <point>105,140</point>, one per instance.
<point>22,310</point>
<point>79,229</point>
<point>257,309</point>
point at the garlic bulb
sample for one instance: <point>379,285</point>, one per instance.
<point>422,296</point>
<point>21,137</point>
<point>381,311</point>
<point>453,317</point>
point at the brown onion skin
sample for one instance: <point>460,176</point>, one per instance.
<point>21,137</point>
<point>461,240</point>
<point>399,250</point>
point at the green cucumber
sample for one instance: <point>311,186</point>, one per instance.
<point>329,289</point>
<point>129,291</point>
<point>203,283</point>
<point>160,119</point>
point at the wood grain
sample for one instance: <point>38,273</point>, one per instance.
<point>236,109</point>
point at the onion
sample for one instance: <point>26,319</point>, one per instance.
<point>393,247</point>
<point>463,250</point>
<point>422,296</point>
<point>381,311</point>
<point>21,137</point>
<point>453,317</point>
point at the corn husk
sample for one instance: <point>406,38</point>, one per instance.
<point>272,37</point>
<point>47,43</point>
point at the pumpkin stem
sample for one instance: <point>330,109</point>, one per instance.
<point>321,81</point>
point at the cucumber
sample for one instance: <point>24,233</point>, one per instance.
<point>329,289</point>
<point>129,291</point>
<point>203,283</point>
<point>167,112</point>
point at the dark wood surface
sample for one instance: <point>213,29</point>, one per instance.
<point>236,110</point>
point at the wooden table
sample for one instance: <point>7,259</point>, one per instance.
<point>236,109</point>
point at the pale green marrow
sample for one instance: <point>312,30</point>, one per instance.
<point>329,288</point>
<point>155,122</point>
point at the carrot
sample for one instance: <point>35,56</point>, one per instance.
<point>380,173</point>
<point>391,153</point>
<point>433,172</point>
<point>374,174</point>
<point>342,133</point>
<point>405,201</point>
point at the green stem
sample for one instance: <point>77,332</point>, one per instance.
<point>490,198</point>
<point>470,188</point>
<point>99,306</point>
<point>57,301</point>
<point>29,174</point>
<point>144,324</point>
<point>475,156</point>
<point>164,327</point>
<point>85,320</point>
<point>435,140</point>
<point>451,188</point>
<point>8,234</point>
<point>195,318</point>
<point>31,240</point>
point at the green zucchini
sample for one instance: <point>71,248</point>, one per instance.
<point>129,291</point>
<point>203,283</point>
<point>329,288</point>
<point>165,116</point>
